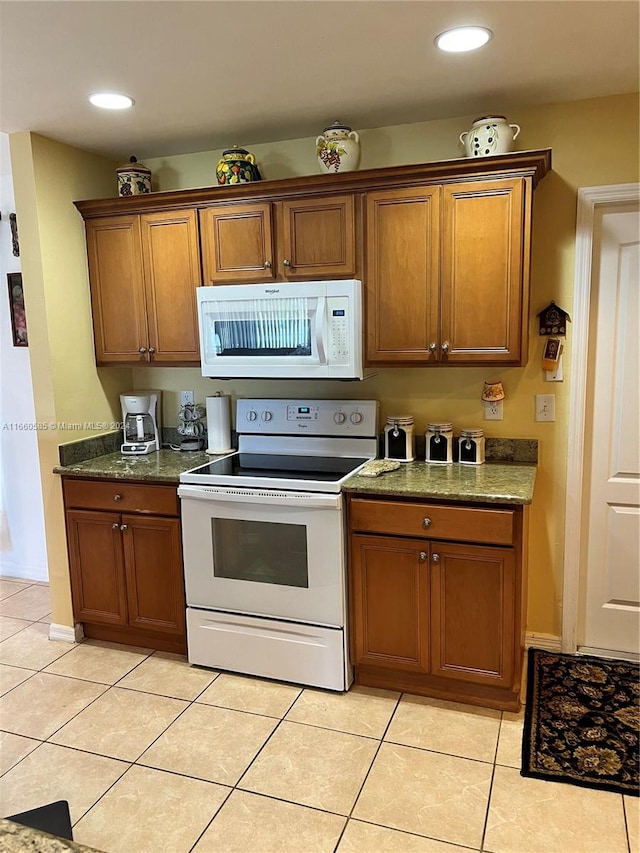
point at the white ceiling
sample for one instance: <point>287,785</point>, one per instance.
<point>213,73</point>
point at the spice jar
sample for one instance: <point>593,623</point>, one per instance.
<point>398,439</point>
<point>471,446</point>
<point>439,443</point>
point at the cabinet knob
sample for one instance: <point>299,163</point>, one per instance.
<point>426,522</point>
<point>142,350</point>
<point>123,527</point>
<point>151,350</point>
<point>117,497</point>
<point>445,347</point>
<point>423,556</point>
<point>435,558</point>
<point>433,346</point>
<point>287,262</point>
<point>267,265</point>
<point>115,525</point>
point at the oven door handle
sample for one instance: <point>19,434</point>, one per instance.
<point>271,497</point>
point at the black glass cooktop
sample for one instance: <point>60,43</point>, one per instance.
<point>275,466</point>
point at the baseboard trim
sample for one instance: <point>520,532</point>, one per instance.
<point>543,641</point>
<point>608,653</point>
<point>66,633</point>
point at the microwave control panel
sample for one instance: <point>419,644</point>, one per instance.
<point>310,417</point>
<point>338,323</point>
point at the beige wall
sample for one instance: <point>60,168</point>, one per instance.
<point>67,386</point>
<point>594,142</point>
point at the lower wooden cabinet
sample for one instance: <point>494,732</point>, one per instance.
<point>436,617</point>
<point>126,566</point>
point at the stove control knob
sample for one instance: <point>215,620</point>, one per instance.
<point>339,417</point>
<point>251,415</point>
<point>267,416</point>
<point>356,418</point>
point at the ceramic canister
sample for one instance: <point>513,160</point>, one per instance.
<point>439,443</point>
<point>471,446</point>
<point>489,135</point>
<point>338,149</point>
<point>398,439</point>
<point>237,166</point>
<point>133,178</point>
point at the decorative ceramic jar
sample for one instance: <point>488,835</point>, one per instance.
<point>133,178</point>
<point>338,149</point>
<point>489,135</point>
<point>398,439</point>
<point>237,166</point>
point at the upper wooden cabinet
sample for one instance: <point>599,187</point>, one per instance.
<point>443,250</point>
<point>447,276</point>
<point>287,241</point>
<point>143,271</point>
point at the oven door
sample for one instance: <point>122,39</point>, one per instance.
<point>264,553</point>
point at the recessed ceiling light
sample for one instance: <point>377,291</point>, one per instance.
<point>460,39</point>
<point>111,101</point>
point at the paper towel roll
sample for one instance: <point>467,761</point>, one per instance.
<point>219,424</point>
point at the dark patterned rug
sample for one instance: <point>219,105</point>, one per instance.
<point>582,721</point>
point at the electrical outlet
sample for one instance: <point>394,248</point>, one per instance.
<point>555,375</point>
<point>493,411</point>
<point>187,398</point>
<point>545,407</point>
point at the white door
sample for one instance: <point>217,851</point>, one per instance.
<point>611,580</point>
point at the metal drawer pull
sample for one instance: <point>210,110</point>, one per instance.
<point>117,497</point>
<point>445,346</point>
<point>423,556</point>
<point>123,527</point>
<point>142,350</point>
<point>426,522</point>
<point>433,347</point>
<point>115,525</point>
<point>435,558</point>
<point>287,262</point>
<point>152,350</point>
<point>267,265</point>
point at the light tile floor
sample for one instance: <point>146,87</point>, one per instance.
<point>155,755</point>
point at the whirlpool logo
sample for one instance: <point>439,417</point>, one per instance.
<point>273,290</point>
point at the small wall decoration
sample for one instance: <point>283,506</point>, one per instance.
<point>553,320</point>
<point>13,221</point>
<point>16,309</point>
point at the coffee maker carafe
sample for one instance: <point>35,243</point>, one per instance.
<point>141,423</point>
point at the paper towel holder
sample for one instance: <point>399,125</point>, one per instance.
<point>218,424</point>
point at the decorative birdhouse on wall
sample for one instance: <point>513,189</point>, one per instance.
<point>553,320</point>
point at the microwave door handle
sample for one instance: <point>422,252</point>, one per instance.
<point>320,312</point>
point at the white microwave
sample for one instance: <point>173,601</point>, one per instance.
<point>307,330</point>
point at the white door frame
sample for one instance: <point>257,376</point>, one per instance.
<point>589,198</point>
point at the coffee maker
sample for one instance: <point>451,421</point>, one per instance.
<point>140,422</point>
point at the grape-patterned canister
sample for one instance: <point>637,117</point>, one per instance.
<point>338,149</point>
<point>489,135</point>
<point>133,178</point>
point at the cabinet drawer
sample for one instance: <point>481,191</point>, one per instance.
<point>121,497</point>
<point>463,524</point>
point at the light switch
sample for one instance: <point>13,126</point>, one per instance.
<point>545,407</point>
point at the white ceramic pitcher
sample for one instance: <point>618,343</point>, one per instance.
<point>489,135</point>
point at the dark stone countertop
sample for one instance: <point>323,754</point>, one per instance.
<point>15,838</point>
<point>492,482</point>
<point>164,466</point>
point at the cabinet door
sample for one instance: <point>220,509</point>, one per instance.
<point>96,565</point>
<point>402,280</point>
<point>172,272</point>
<point>117,293</point>
<point>318,238</point>
<point>237,243</point>
<point>484,286</point>
<point>390,603</point>
<point>472,613</point>
<point>153,562</point>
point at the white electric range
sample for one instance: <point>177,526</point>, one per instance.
<point>264,541</point>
